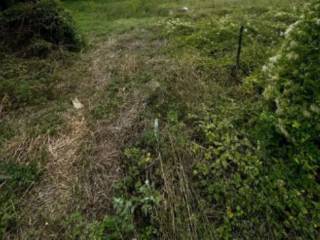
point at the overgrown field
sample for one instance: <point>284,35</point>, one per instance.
<point>152,130</point>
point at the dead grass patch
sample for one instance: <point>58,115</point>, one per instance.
<point>51,199</point>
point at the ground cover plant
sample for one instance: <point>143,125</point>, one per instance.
<point>154,132</point>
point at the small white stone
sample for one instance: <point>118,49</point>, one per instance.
<point>77,104</point>
<point>186,9</point>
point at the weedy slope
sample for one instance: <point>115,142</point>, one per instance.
<point>166,145</point>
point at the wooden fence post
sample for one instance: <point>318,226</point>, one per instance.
<point>239,48</point>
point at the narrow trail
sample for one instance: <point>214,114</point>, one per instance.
<point>84,162</point>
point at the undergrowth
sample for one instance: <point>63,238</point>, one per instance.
<point>218,152</point>
<point>15,180</point>
<point>242,167</point>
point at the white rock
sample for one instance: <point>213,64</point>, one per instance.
<point>185,9</point>
<point>77,104</point>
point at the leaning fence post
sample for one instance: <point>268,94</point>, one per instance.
<point>239,48</point>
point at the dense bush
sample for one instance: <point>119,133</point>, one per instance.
<point>4,4</point>
<point>36,27</point>
<point>260,173</point>
<point>293,91</point>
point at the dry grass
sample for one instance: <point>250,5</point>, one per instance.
<point>101,166</point>
<point>83,160</point>
<point>51,199</point>
<point>101,169</point>
<point>23,149</point>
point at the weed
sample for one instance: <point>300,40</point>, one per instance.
<point>15,179</point>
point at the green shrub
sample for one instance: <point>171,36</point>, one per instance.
<point>27,23</point>
<point>260,170</point>
<point>4,4</point>
<point>293,92</point>
<point>228,175</point>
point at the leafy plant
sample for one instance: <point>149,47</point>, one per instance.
<point>261,169</point>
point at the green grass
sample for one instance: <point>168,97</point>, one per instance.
<point>15,180</point>
<point>103,18</point>
<point>197,176</point>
